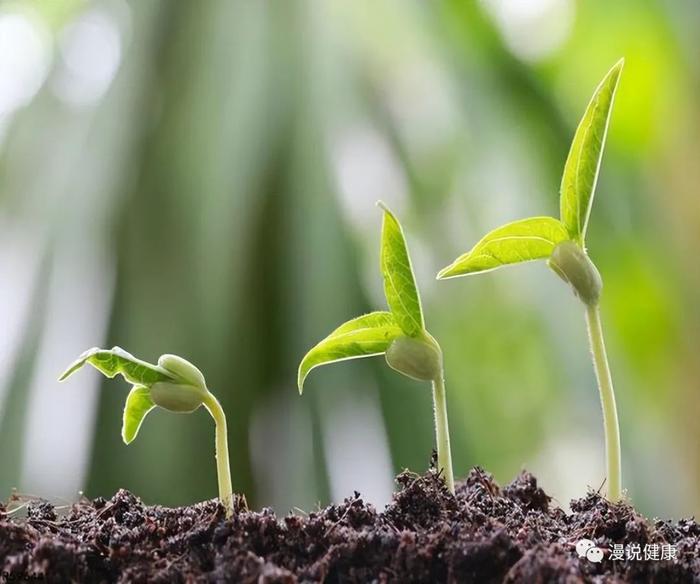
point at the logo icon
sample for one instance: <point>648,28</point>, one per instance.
<point>585,548</point>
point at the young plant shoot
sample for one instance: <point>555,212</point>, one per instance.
<point>562,243</point>
<point>175,385</point>
<point>399,334</point>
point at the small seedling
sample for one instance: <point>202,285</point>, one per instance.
<point>399,334</point>
<point>562,244</point>
<point>175,385</point>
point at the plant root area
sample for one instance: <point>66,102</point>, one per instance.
<point>485,533</point>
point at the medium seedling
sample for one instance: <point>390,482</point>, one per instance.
<point>562,243</point>
<point>399,334</point>
<point>175,385</point>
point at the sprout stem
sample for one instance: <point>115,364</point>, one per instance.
<point>442,432</point>
<point>223,470</point>
<point>607,399</point>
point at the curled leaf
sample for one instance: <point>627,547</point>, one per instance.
<point>399,282</point>
<point>138,404</point>
<point>573,266</point>
<point>364,336</point>
<point>519,241</point>
<point>182,369</point>
<point>419,358</point>
<point>115,361</point>
<point>179,398</point>
<point>583,163</point>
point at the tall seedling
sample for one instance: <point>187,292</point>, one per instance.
<point>562,243</point>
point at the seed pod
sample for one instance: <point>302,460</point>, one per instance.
<point>415,357</point>
<point>183,370</point>
<point>177,398</point>
<point>573,266</point>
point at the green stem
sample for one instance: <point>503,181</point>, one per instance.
<point>442,432</point>
<point>607,399</point>
<point>223,469</point>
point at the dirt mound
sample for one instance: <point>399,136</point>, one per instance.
<point>482,534</point>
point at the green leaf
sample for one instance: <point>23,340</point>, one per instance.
<point>138,404</point>
<point>112,362</point>
<point>399,282</point>
<point>519,241</point>
<point>367,335</point>
<point>583,163</point>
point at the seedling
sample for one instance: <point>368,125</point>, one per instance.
<point>399,334</point>
<point>562,243</point>
<point>175,385</point>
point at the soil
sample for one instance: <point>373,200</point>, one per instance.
<point>483,534</point>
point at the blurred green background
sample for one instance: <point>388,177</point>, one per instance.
<point>200,178</point>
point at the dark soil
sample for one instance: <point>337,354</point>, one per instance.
<point>483,534</point>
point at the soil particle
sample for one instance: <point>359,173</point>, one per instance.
<point>481,534</point>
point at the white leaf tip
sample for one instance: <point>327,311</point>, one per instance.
<point>442,273</point>
<point>616,70</point>
<point>449,272</point>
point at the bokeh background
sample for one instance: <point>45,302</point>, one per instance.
<point>201,177</point>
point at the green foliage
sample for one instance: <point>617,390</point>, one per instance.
<point>539,237</point>
<point>115,361</point>
<point>364,336</point>
<point>583,163</point>
<point>398,334</point>
<point>399,282</point>
<point>519,241</point>
<point>374,333</point>
<point>174,384</point>
<point>138,404</point>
